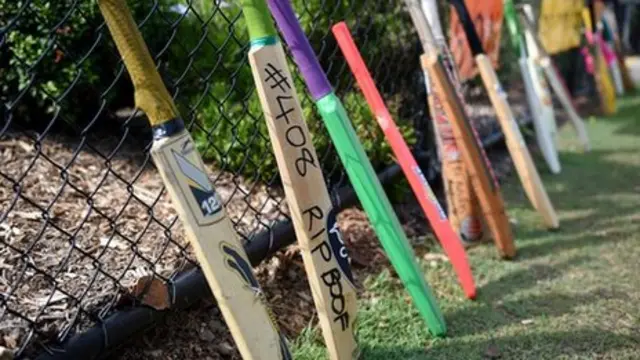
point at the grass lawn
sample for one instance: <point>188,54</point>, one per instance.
<point>570,294</point>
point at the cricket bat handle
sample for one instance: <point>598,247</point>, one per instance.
<point>151,96</point>
<point>422,26</point>
<point>430,11</point>
<point>303,54</point>
<point>526,18</point>
<point>259,23</point>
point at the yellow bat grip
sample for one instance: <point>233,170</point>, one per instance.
<point>151,96</point>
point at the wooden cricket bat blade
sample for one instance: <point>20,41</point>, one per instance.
<point>221,256</point>
<point>323,250</point>
<point>522,160</point>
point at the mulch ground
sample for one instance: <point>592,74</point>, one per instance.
<point>78,231</point>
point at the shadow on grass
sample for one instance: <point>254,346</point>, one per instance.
<point>381,352</point>
<point>591,191</point>
<point>539,345</point>
<point>490,311</point>
<point>628,115</point>
<point>527,278</point>
<point>546,345</point>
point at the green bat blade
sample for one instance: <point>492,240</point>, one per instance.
<point>379,211</point>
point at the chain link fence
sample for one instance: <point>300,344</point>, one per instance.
<point>91,251</point>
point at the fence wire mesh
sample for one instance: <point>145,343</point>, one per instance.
<point>84,217</point>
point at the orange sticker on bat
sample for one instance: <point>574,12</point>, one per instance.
<point>487,17</point>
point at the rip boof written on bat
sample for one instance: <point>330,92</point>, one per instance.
<point>331,248</point>
<point>294,135</point>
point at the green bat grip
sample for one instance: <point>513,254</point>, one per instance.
<point>379,211</point>
<point>511,18</point>
<point>151,96</point>
<point>258,19</point>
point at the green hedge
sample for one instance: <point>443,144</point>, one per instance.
<point>51,60</point>
<point>205,64</point>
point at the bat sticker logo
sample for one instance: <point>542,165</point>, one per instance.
<point>427,83</point>
<point>337,245</point>
<point>199,184</point>
<point>500,90</point>
<point>243,269</point>
<point>430,194</point>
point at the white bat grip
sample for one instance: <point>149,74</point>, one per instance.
<point>430,10</point>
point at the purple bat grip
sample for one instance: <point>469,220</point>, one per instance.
<point>302,52</point>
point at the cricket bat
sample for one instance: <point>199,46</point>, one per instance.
<point>359,170</point>
<point>463,208</point>
<point>614,67</point>
<point>555,80</point>
<point>430,206</point>
<point>604,83</point>
<point>539,101</point>
<point>609,27</point>
<point>484,182</point>
<point>612,34</point>
<point>540,85</point>
<point>324,253</point>
<point>516,145</point>
<point>220,254</point>
<point>612,29</point>
<point>627,82</point>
